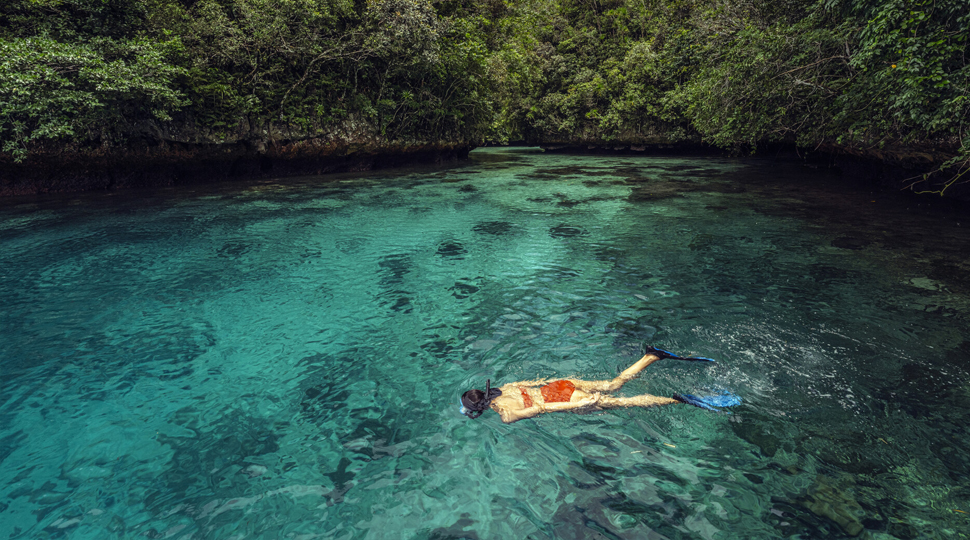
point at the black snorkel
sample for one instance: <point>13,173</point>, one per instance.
<point>474,402</point>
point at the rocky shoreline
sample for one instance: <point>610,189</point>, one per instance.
<point>154,163</point>
<point>168,163</point>
<point>909,169</point>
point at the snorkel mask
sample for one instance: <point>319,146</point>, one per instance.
<point>474,402</point>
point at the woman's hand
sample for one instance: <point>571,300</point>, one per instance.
<point>589,400</point>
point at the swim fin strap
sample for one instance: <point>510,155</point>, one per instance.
<point>710,403</point>
<point>667,354</point>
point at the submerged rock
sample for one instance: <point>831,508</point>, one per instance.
<point>451,249</point>
<point>758,431</point>
<point>654,192</point>
<point>850,242</point>
<point>496,228</point>
<point>666,189</point>
<point>826,500</point>
<point>565,231</point>
<point>457,531</point>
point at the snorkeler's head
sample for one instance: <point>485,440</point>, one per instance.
<point>474,402</point>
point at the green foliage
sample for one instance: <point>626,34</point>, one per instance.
<point>72,20</point>
<point>739,73</point>
<point>766,83</point>
<point>92,71</point>
<point>735,73</point>
<point>304,66</point>
<point>52,90</point>
<point>912,64</point>
<point>82,70</point>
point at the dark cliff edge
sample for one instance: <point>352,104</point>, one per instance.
<point>912,169</point>
<point>153,163</point>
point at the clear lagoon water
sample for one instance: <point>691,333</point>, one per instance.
<point>283,359</point>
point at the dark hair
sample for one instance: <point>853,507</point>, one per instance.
<point>477,401</point>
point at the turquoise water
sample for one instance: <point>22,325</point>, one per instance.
<point>283,359</point>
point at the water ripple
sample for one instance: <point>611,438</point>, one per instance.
<point>284,360</point>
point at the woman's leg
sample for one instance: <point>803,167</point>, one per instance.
<point>621,379</point>
<point>646,400</point>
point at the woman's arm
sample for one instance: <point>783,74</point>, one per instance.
<point>521,414</point>
<point>569,405</point>
<point>514,415</point>
<point>509,416</point>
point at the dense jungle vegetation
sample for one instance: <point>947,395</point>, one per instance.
<point>850,74</point>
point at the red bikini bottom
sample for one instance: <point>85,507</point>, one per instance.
<point>554,392</point>
<point>557,391</point>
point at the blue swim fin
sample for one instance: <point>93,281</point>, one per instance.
<point>711,403</point>
<point>667,354</point>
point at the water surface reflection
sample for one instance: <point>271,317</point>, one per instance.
<point>282,359</point>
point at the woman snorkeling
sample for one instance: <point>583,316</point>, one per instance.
<point>525,399</point>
